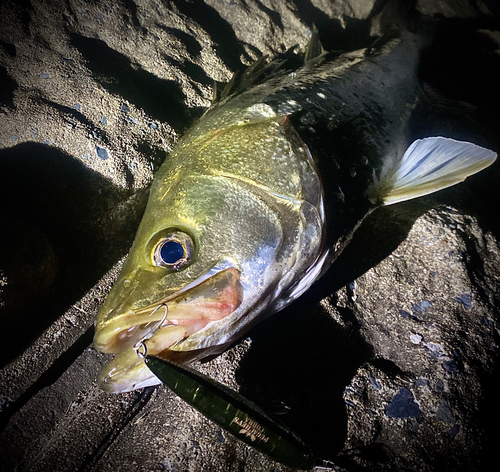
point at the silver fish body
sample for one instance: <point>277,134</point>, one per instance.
<point>239,222</point>
<point>354,115</point>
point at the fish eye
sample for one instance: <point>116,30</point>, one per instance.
<point>173,250</point>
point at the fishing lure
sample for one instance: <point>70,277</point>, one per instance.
<point>232,411</point>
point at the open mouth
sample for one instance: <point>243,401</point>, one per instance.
<point>210,298</point>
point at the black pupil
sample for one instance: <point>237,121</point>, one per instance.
<point>171,252</point>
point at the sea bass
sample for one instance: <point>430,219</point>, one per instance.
<point>262,194</point>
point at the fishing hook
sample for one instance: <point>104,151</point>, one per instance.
<point>140,346</point>
<point>140,349</point>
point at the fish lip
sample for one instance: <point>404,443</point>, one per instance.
<point>133,327</point>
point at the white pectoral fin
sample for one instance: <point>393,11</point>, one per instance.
<point>432,164</point>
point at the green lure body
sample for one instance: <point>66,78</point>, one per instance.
<point>233,412</point>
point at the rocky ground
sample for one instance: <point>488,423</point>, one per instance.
<point>389,363</point>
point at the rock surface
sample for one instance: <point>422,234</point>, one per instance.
<point>388,364</point>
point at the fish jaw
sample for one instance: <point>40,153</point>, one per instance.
<point>207,299</point>
<point>162,325</point>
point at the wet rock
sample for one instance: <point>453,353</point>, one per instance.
<point>441,379</point>
<point>388,364</point>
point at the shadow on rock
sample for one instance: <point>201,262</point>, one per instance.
<point>62,228</point>
<point>301,360</point>
<point>161,99</point>
<point>222,33</point>
<point>297,368</point>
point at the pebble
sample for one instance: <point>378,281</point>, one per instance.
<point>101,153</point>
<point>403,405</point>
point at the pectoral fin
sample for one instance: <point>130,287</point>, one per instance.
<point>432,164</point>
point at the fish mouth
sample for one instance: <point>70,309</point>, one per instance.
<point>211,297</point>
<point>164,324</point>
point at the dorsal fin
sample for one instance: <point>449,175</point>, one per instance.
<point>314,48</point>
<point>251,76</point>
<point>261,71</point>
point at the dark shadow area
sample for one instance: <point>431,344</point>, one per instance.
<point>489,415</point>
<point>131,6</point>
<point>227,46</point>
<point>334,36</point>
<point>61,231</point>
<point>274,15</point>
<point>7,87</point>
<point>192,46</point>
<point>192,70</point>
<point>142,398</point>
<point>377,454</point>
<point>47,378</point>
<point>156,155</point>
<point>161,99</point>
<point>297,368</point>
<point>9,48</point>
<point>461,64</point>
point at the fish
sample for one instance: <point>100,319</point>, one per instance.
<point>261,195</point>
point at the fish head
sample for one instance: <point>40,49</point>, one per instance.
<point>217,248</point>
